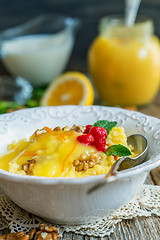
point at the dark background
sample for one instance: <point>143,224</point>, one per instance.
<point>14,12</point>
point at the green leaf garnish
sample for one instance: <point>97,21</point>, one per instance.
<point>118,150</point>
<point>31,103</point>
<point>4,106</point>
<point>105,124</point>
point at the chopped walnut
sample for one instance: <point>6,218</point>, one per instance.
<point>86,161</point>
<point>66,128</point>
<point>45,228</point>
<point>73,126</point>
<point>79,128</point>
<point>57,129</point>
<point>43,232</point>
<point>76,128</point>
<point>32,233</point>
<point>39,131</point>
<point>28,167</point>
<point>15,236</point>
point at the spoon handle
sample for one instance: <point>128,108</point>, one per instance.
<point>111,172</point>
<point>131,9</point>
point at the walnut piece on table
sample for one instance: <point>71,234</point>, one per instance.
<point>43,232</point>
<point>15,236</point>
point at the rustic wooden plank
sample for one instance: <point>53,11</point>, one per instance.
<point>124,231</point>
<point>77,237</point>
<point>67,236</point>
<point>134,231</point>
<point>139,228</point>
<point>4,231</point>
<point>156,221</point>
<point>153,110</point>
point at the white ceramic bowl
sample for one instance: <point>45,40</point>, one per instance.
<point>64,200</point>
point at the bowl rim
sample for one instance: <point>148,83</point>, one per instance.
<point>153,162</point>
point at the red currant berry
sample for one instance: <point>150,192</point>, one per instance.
<point>100,135</point>
<point>98,132</point>
<point>115,157</point>
<point>87,139</point>
<point>88,127</point>
<point>100,144</point>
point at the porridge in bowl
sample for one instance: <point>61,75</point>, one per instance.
<point>78,151</point>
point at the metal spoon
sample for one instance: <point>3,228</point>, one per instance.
<point>131,10</point>
<point>140,145</point>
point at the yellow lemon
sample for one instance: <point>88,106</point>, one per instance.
<point>70,88</point>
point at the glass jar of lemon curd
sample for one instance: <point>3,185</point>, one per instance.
<point>124,62</point>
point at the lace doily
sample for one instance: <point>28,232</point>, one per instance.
<point>145,203</point>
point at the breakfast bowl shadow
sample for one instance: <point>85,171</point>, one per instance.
<point>66,200</point>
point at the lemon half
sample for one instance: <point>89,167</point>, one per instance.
<point>70,88</point>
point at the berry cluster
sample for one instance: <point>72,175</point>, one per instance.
<point>95,136</point>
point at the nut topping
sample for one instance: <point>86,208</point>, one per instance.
<point>66,128</point>
<point>15,236</point>
<point>32,233</point>
<point>39,132</point>
<point>85,161</point>
<point>57,129</point>
<point>48,229</point>
<point>28,167</point>
<point>43,232</point>
<point>79,128</point>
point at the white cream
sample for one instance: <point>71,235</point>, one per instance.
<point>37,58</point>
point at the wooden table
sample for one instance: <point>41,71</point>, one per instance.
<point>139,228</point>
<point>154,110</point>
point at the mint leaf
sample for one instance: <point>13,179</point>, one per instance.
<point>118,150</point>
<point>105,124</point>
